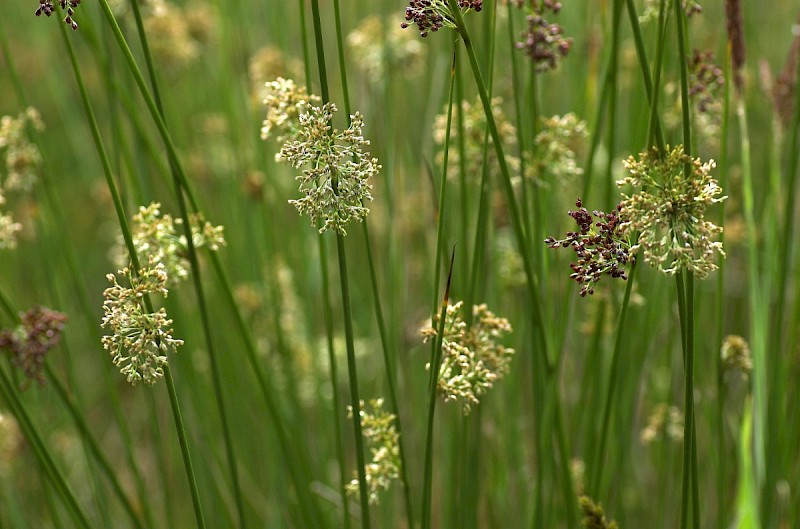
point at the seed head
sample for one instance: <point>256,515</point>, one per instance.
<point>664,421</point>
<point>593,515</point>
<point>473,359</point>
<point>28,344</point>
<point>668,211</point>
<point>544,42</point>
<point>335,182</point>
<point>736,354</point>
<point>376,48</point>
<point>601,246</point>
<point>378,428</point>
<point>555,149</point>
<point>432,15</point>
<point>47,8</point>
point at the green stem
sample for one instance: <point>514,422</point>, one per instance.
<point>599,458</point>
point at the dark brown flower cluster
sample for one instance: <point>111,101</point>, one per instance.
<point>47,8</point>
<point>544,42</point>
<point>707,79</point>
<point>431,15</point>
<point>38,332</point>
<point>600,245</point>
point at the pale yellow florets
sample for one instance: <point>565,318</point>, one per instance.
<point>285,101</point>
<point>472,357</point>
<point>378,429</point>
<point>377,47</point>
<point>668,211</point>
<point>140,339</point>
<point>556,147</point>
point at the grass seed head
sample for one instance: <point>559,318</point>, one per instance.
<point>28,344</point>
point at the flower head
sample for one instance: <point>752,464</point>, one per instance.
<point>555,148</point>
<point>380,432</point>
<point>593,515</point>
<point>669,208</point>
<point>600,245</point>
<point>473,359</point>
<point>156,239</point>
<point>664,421</point>
<point>543,41</point>
<point>736,354</point>
<point>335,182</point>
<point>28,344</point>
<point>432,15</point>
<point>285,101</point>
<point>139,339</point>
<point>177,35</point>
<point>376,48</point>
<point>47,8</point>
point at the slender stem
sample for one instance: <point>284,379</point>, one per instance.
<point>347,312</point>
<point>600,456</point>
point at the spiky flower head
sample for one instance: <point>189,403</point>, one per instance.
<point>47,8</point>
<point>20,156</point>
<point>28,344</point>
<point>285,101</point>
<point>544,42</point>
<point>593,515</point>
<point>472,356</point>
<point>736,354</point>
<point>474,129</point>
<point>432,15</point>
<point>668,211</point>
<point>380,432</point>
<point>601,246</point>
<point>156,239</point>
<point>664,421</point>
<point>139,339</point>
<point>555,148</point>
<point>335,181</point>
<point>376,48</point>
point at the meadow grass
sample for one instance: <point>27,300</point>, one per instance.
<point>407,352</point>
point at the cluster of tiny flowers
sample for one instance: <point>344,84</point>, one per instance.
<point>555,148</point>
<point>544,42</point>
<point>11,443</point>
<point>28,344</point>
<point>140,339</point>
<point>267,63</point>
<point>474,126</point>
<point>706,84</point>
<point>176,35</point>
<point>664,421</point>
<point>472,357</point>
<point>20,163</point>
<point>335,183</point>
<point>155,239</point>
<point>378,428</point>
<point>668,211</point>
<point>432,15</point>
<point>593,515</point>
<point>285,101</point>
<point>47,8</point>
<point>601,246</point>
<point>376,48</point>
<point>736,354</point>
<point>651,7</point>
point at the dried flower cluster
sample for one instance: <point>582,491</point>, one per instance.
<point>601,246</point>
<point>664,421</point>
<point>555,148</point>
<point>155,239</point>
<point>432,15</point>
<point>377,49</point>
<point>472,357</point>
<point>20,164</point>
<point>378,428</point>
<point>285,101</point>
<point>593,515</point>
<point>707,81</point>
<point>176,35</point>
<point>28,344</point>
<point>543,41</point>
<point>47,8</point>
<point>475,127</point>
<point>140,339</point>
<point>668,211</point>
<point>736,354</point>
<point>335,182</point>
